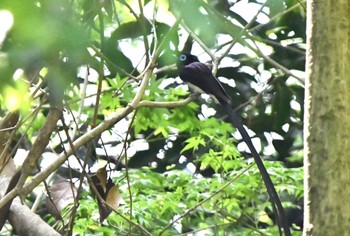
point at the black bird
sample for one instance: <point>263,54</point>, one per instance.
<point>199,78</point>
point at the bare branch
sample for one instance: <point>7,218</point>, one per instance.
<point>166,104</point>
<point>26,222</point>
<point>40,144</point>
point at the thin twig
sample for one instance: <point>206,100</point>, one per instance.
<point>205,200</point>
<point>275,63</point>
<point>243,31</point>
<point>102,56</point>
<point>277,16</point>
<point>102,201</point>
<point>126,163</point>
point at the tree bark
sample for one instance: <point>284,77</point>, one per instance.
<point>26,222</point>
<point>327,119</point>
<point>23,220</point>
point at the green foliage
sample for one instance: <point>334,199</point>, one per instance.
<point>157,199</point>
<point>190,153</point>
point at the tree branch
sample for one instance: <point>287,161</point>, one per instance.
<point>22,218</point>
<point>26,222</point>
<point>166,104</point>
<point>40,144</point>
<point>135,103</point>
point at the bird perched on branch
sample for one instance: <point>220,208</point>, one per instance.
<point>200,79</point>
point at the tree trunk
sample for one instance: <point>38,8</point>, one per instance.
<point>327,119</point>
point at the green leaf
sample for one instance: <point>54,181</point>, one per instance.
<point>193,143</point>
<point>161,130</point>
<point>276,7</point>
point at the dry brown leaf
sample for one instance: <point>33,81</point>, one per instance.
<point>102,177</point>
<point>114,198</point>
<point>7,167</point>
<point>108,191</point>
<point>62,195</point>
<point>6,123</point>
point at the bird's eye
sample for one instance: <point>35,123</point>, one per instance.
<point>183,57</point>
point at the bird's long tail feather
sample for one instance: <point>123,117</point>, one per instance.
<point>274,198</point>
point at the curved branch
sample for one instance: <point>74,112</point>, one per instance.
<point>205,199</point>
<point>135,103</point>
<point>146,103</point>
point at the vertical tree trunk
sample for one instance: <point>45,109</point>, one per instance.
<point>327,119</point>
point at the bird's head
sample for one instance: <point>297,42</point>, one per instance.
<point>185,59</point>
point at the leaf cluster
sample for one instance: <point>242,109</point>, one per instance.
<point>110,66</point>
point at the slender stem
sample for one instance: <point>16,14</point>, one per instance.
<point>205,200</point>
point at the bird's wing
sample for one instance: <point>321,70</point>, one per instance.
<point>199,75</point>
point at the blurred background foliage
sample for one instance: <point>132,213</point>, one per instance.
<point>88,54</point>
